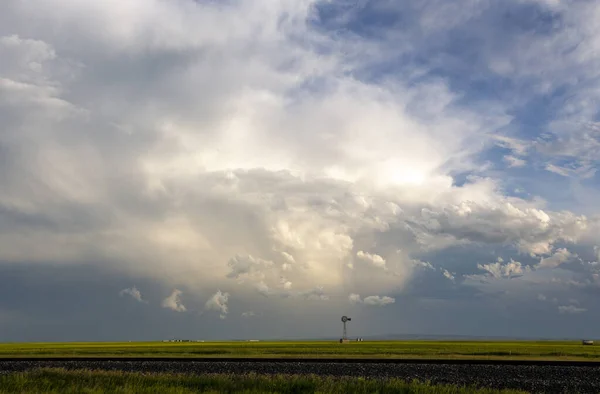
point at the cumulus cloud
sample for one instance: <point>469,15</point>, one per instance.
<point>528,229</point>
<point>132,134</point>
<point>423,265</point>
<point>247,265</point>
<point>373,259</point>
<point>515,145</point>
<point>263,289</point>
<point>571,309</point>
<point>280,201</point>
<point>218,302</point>
<point>559,257</point>
<point>289,193</point>
<point>316,294</point>
<point>289,261</point>
<point>133,292</point>
<point>285,284</point>
<point>248,314</point>
<point>378,300</point>
<point>354,298</point>
<point>371,300</point>
<point>580,170</point>
<point>448,275</point>
<point>513,161</point>
<point>285,290</point>
<point>541,297</point>
<point>174,301</point>
<point>498,270</point>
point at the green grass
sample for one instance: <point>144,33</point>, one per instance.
<point>549,350</point>
<point>62,381</point>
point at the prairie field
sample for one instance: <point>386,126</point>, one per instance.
<point>540,350</point>
<point>63,381</point>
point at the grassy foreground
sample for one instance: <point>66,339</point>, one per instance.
<point>62,381</point>
<point>548,350</point>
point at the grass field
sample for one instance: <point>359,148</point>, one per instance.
<point>61,381</point>
<point>548,350</point>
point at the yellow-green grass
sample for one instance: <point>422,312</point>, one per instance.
<point>540,350</point>
<point>62,381</point>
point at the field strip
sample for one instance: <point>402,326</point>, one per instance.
<point>303,360</point>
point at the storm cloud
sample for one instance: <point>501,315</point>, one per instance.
<point>286,157</point>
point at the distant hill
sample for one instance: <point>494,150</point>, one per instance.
<point>431,337</point>
<point>408,337</point>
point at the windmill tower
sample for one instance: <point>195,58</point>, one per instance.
<point>345,319</point>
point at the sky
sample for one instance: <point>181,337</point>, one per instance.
<point>257,169</point>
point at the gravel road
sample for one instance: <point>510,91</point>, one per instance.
<point>532,378</point>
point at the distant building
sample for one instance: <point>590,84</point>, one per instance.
<point>180,340</point>
<point>587,342</point>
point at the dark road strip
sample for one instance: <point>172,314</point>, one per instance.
<point>533,377</point>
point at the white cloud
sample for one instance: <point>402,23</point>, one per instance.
<point>448,275</point>
<point>289,261</point>
<point>189,186</point>
<point>131,135</point>
<point>248,314</point>
<point>223,159</point>
<point>513,161</point>
<point>423,264</point>
<point>541,297</point>
<point>285,284</point>
<point>373,259</point>
<point>559,257</point>
<point>25,59</point>
<point>519,147</point>
<point>284,290</point>
<point>529,229</point>
<point>498,270</point>
<point>371,300</point>
<point>354,298</point>
<point>378,300</point>
<point>572,309</point>
<point>263,289</point>
<point>316,294</point>
<point>174,301</point>
<point>571,135</point>
<point>218,302</point>
<point>133,292</point>
<point>581,170</point>
<point>247,265</point>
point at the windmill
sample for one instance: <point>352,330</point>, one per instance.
<point>345,335</point>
